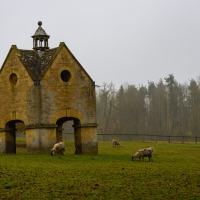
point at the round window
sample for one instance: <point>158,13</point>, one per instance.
<point>13,78</point>
<point>65,75</point>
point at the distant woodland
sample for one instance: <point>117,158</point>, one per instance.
<point>163,108</point>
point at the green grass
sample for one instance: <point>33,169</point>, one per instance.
<point>173,174</point>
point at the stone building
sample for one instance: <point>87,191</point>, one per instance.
<point>41,89</point>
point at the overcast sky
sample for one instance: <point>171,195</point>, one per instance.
<point>119,41</point>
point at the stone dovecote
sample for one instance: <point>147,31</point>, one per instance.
<point>42,89</point>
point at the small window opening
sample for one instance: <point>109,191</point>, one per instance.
<point>13,78</point>
<point>65,75</point>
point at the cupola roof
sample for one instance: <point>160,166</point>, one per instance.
<point>40,31</point>
<point>40,39</point>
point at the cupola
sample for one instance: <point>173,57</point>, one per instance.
<point>40,39</point>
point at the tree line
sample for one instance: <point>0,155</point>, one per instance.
<point>163,108</point>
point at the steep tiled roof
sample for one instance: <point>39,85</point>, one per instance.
<point>36,64</point>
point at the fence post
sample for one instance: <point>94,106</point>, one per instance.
<point>168,139</point>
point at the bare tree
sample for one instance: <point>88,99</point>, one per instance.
<point>105,101</point>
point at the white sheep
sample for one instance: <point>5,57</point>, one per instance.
<point>58,148</point>
<point>147,152</point>
<point>115,142</point>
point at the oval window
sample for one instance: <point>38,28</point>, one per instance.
<point>65,75</point>
<point>13,78</point>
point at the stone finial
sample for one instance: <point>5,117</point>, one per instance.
<point>39,23</point>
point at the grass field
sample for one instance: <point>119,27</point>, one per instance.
<point>174,173</point>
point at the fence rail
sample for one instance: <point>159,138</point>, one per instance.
<point>142,137</point>
<point>148,138</point>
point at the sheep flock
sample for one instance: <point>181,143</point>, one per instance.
<point>59,148</point>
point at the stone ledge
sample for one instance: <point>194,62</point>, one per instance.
<point>34,126</point>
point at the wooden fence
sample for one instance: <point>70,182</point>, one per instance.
<point>149,138</point>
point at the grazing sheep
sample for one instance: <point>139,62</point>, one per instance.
<point>115,142</point>
<point>58,148</point>
<point>147,152</point>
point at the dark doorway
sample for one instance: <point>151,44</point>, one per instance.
<point>69,127</point>
<point>14,130</point>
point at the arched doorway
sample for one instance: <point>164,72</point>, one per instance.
<point>13,129</point>
<point>75,124</point>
